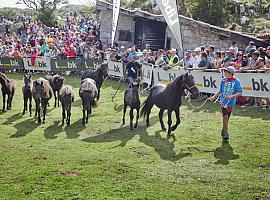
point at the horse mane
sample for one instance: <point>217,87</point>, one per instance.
<point>47,92</point>
<point>172,86</point>
<point>66,89</point>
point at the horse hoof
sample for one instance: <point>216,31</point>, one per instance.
<point>39,120</point>
<point>135,126</point>
<point>163,128</point>
<point>24,113</point>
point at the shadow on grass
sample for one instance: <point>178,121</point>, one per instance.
<point>246,111</point>
<point>57,127</point>
<point>163,146</point>
<point>77,103</point>
<point>224,153</point>
<point>73,130</point>
<point>24,128</point>
<point>52,131</point>
<point>12,118</point>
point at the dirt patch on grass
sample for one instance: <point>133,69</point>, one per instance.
<point>68,173</point>
<point>266,165</point>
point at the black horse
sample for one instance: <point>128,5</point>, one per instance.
<point>56,82</point>
<point>169,98</point>
<point>27,93</point>
<point>8,88</point>
<point>132,99</point>
<point>99,75</point>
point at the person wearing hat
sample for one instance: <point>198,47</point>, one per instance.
<point>250,46</point>
<point>173,60</point>
<point>188,60</point>
<point>230,88</point>
<point>197,58</point>
<point>252,61</point>
<point>133,69</point>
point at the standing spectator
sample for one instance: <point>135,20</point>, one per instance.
<point>204,64</point>
<point>188,60</point>
<point>250,46</point>
<point>216,63</point>
<point>173,60</point>
<point>197,58</point>
<point>238,61</point>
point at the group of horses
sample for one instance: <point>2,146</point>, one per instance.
<point>42,89</point>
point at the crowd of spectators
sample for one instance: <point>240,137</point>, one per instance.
<point>78,37</point>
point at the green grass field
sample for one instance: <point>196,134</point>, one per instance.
<point>106,161</point>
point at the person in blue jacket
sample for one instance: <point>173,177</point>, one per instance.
<point>230,89</point>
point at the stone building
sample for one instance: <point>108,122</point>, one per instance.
<point>140,28</point>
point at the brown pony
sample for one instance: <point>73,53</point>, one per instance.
<point>8,88</point>
<point>88,93</point>
<point>66,96</point>
<point>99,75</point>
<point>56,82</point>
<point>42,93</point>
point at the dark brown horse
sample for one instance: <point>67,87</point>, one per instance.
<point>99,75</point>
<point>88,93</point>
<point>42,93</point>
<point>27,93</point>
<point>56,82</point>
<point>169,98</point>
<point>66,96</point>
<point>8,88</point>
<point>132,99</point>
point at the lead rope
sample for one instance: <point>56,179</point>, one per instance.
<point>197,107</point>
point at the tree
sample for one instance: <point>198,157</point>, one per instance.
<point>214,12</point>
<point>9,13</point>
<point>46,9</point>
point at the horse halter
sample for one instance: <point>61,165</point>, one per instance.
<point>189,88</point>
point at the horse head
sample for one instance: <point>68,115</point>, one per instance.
<point>3,77</point>
<point>38,89</point>
<point>27,79</point>
<point>58,81</point>
<point>104,70</point>
<point>189,85</point>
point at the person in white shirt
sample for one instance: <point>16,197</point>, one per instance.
<point>197,58</point>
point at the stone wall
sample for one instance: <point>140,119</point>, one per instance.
<point>195,37</point>
<point>125,22</point>
<point>194,33</point>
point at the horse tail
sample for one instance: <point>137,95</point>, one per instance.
<point>145,106</point>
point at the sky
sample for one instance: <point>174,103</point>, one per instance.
<point>12,3</point>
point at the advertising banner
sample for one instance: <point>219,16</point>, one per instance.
<point>116,69</point>
<point>40,64</point>
<point>90,64</point>
<point>165,76</point>
<point>11,63</point>
<point>116,9</point>
<point>169,11</point>
<point>147,71</point>
<point>67,65</point>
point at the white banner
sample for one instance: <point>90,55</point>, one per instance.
<point>147,70</point>
<point>207,82</point>
<point>162,76</point>
<point>115,69</point>
<point>116,9</point>
<point>169,11</point>
<point>41,64</point>
<point>255,84</point>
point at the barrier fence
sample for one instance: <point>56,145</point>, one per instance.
<point>254,84</point>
